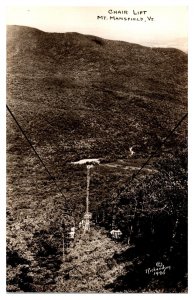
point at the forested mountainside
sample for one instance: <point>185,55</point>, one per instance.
<point>80,96</point>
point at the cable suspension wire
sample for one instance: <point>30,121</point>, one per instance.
<point>152,155</point>
<point>159,147</point>
<point>36,153</point>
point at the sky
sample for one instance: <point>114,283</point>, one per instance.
<point>167,28</point>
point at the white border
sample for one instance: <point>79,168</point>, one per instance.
<point>3,136</point>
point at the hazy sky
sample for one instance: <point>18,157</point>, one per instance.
<point>169,27</point>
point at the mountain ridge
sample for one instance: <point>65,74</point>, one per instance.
<point>101,89</point>
<point>27,28</point>
<point>79,97</point>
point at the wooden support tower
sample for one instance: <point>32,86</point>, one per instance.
<point>87,215</point>
<point>90,162</point>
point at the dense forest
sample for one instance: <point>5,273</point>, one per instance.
<point>77,96</point>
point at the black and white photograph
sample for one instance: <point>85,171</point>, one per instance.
<point>97,149</point>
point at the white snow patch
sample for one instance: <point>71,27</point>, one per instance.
<point>87,161</point>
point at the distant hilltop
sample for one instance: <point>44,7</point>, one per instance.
<point>91,97</point>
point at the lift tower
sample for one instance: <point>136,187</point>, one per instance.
<point>89,164</point>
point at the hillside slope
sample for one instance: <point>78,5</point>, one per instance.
<point>79,96</point>
<point>93,96</point>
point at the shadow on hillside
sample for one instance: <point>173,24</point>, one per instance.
<point>137,280</point>
<point>19,280</point>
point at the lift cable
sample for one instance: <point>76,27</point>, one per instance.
<point>153,154</point>
<point>159,147</point>
<point>36,153</point>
